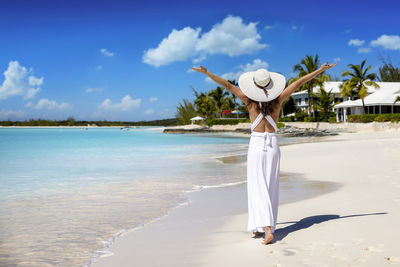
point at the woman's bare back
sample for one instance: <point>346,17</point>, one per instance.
<point>264,125</point>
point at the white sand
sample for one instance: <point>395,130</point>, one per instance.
<point>355,225</point>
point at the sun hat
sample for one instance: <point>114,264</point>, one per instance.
<point>262,85</point>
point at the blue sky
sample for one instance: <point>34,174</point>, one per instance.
<point>130,60</point>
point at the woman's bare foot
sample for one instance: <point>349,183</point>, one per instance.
<point>268,236</point>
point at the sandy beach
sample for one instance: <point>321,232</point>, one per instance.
<point>352,225</point>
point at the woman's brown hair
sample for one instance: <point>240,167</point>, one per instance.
<point>266,108</point>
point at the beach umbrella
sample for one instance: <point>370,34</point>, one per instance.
<point>226,112</point>
<point>197,118</point>
<point>237,111</point>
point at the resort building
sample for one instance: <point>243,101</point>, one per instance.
<point>378,101</point>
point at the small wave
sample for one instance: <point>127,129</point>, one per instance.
<point>202,187</point>
<point>104,252</point>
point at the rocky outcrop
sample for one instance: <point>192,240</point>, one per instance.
<point>287,131</point>
<point>291,131</point>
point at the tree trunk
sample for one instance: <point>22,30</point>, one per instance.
<point>362,99</point>
<point>311,90</point>
<point>308,101</point>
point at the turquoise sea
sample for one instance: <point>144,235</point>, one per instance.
<point>67,193</point>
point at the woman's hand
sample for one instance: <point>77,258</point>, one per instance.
<point>201,69</point>
<point>326,66</point>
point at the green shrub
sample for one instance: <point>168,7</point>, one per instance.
<point>299,115</point>
<point>280,125</point>
<point>214,121</point>
<point>361,118</point>
<point>381,117</point>
<point>374,117</point>
<point>286,119</point>
<point>309,119</point>
<point>332,119</point>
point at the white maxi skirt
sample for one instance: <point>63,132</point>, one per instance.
<point>263,166</point>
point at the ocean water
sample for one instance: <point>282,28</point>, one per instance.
<point>67,193</point>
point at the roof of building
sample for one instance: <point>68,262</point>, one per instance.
<point>334,86</point>
<point>380,97</point>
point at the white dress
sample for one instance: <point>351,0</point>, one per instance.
<point>263,164</point>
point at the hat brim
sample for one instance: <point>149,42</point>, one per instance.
<point>272,91</point>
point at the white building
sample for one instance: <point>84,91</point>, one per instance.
<point>378,101</point>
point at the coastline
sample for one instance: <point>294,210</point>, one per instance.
<point>307,236</point>
<point>204,209</point>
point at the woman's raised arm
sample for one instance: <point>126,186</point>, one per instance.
<point>294,86</point>
<point>224,83</point>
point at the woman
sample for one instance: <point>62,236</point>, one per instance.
<point>263,93</point>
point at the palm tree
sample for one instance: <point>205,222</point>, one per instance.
<point>234,82</point>
<point>185,111</point>
<point>219,95</point>
<point>324,101</point>
<point>357,84</point>
<point>396,100</point>
<point>307,65</point>
<point>205,105</point>
<point>388,72</point>
<point>288,106</point>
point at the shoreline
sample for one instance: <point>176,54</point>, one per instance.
<point>226,242</point>
<point>201,209</point>
<point>111,255</point>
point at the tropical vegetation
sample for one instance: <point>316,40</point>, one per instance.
<point>359,79</point>
<point>306,66</point>
<point>212,104</point>
<point>185,111</point>
<point>323,102</point>
<point>388,72</point>
<point>395,117</point>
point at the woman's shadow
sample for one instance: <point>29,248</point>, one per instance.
<point>307,222</point>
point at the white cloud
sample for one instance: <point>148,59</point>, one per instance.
<point>92,90</point>
<point>45,103</point>
<point>364,50</point>
<point>347,31</point>
<point>127,103</point>
<point>297,27</point>
<point>149,111</point>
<point>99,67</point>
<point>153,99</point>
<point>29,104</point>
<point>253,66</point>
<point>230,37</point>
<point>270,27</point>
<point>19,81</point>
<point>356,42</point>
<point>11,114</point>
<point>199,59</point>
<point>178,46</point>
<point>390,42</point>
<point>337,59</point>
<point>106,52</point>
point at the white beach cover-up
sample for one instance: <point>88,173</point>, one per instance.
<point>263,164</point>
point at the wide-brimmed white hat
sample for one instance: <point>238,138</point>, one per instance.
<point>262,85</point>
